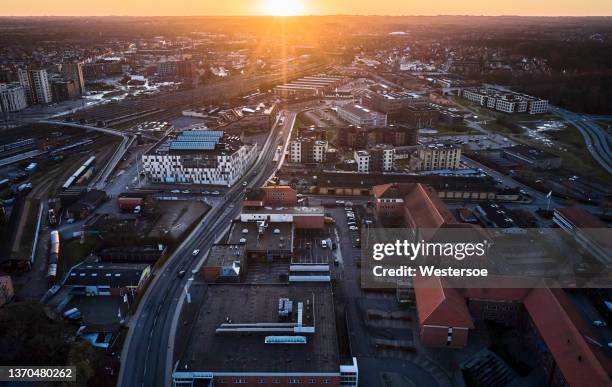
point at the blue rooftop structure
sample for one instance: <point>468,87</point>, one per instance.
<point>193,145</point>
<point>197,140</point>
<point>200,135</point>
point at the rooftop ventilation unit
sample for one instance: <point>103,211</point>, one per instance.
<point>285,307</point>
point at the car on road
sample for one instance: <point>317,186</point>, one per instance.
<point>181,273</point>
<point>244,183</point>
<point>215,192</point>
<point>186,191</point>
<point>353,228</point>
<point>195,252</point>
<point>206,193</point>
<point>339,202</point>
<point>175,191</point>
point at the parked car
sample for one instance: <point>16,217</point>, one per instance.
<point>599,323</point>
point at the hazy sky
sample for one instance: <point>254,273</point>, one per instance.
<point>259,7</point>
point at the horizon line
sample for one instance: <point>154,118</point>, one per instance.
<point>312,15</point>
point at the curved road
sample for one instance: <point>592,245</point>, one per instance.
<point>595,137</point>
<point>147,347</point>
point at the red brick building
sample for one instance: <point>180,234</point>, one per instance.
<point>444,319</point>
<point>548,321</point>
<point>281,195</point>
<point>416,204</point>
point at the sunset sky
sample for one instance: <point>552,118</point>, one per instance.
<point>308,7</point>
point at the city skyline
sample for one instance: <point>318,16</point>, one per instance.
<point>309,7</point>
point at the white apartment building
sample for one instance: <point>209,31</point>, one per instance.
<point>362,159</point>
<point>434,157</point>
<point>199,157</point>
<point>36,85</point>
<point>12,97</point>
<point>505,101</point>
<point>307,151</point>
<point>361,116</point>
<point>387,160</point>
<point>380,158</point>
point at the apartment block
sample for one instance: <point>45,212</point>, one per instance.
<point>434,157</point>
<point>505,101</point>
<point>12,97</point>
<point>199,157</point>
<point>307,151</point>
<point>36,85</point>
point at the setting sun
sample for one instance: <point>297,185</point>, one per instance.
<point>282,7</point>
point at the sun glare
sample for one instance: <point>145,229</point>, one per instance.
<point>282,7</point>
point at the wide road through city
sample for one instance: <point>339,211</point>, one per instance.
<point>146,350</point>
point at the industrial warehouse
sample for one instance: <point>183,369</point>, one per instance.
<point>267,310</point>
<point>310,86</point>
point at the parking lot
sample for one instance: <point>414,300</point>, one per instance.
<point>313,246</point>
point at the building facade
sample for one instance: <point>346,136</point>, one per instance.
<point>435,157</point>
<point>12,97</point>
<point>36,85</point>
<point>65,90</point>
<point>307,151</point>
<point>199,157</point>
<point>361,116</point>
<point>505,101</point>
<point>74,72</point>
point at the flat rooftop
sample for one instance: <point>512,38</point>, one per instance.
<point>209,351</point>
<point>197,142</point>
<point>276,236</point>
<point>224,254</point>
<point>358,111</point>
<point>106,273</point>
<point>296,210</point>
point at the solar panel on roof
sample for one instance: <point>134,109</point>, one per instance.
<point>202,134</point>
<point>285,340</point>
<point>193,145</point>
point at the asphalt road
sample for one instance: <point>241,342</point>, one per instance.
<point>145,354</point>
<point>596,138</point>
